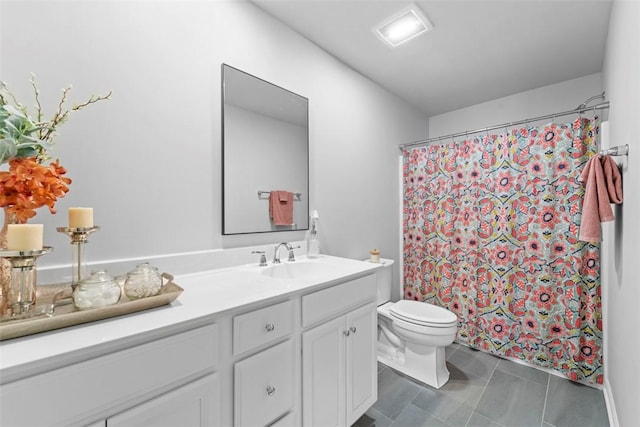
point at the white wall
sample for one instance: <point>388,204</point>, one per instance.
<point>621,75</point>
<point>539,102</point>
<point>148,161</point>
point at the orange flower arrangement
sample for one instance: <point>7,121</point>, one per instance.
<point>29,185</point>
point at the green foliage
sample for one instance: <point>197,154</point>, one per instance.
<point>21,135</point>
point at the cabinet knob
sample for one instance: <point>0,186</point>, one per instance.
<point>347,333</point>
<point>353,329</point>
<point>270,327</point>
<point>271,390</point>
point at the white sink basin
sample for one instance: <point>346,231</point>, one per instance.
<point>307,269</point>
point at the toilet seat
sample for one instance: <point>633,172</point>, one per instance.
<point>423,314</point>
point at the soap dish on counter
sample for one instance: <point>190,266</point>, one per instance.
<point>51,313</point>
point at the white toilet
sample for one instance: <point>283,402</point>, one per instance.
<point>412,335</point>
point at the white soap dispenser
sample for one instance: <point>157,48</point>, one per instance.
<point>313,244</point>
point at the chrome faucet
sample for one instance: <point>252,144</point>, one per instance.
<point>276,252</point>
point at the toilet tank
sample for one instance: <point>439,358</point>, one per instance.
<point>384,280</point>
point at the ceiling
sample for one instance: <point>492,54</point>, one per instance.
<point>479,50</point>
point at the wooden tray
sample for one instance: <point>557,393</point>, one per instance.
<point>47,316</point>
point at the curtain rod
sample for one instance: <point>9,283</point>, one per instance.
<point>579,110</point>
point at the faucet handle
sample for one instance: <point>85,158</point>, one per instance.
<point>263,258</point>
<point>291,255</point>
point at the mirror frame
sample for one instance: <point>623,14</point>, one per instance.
<point>224,166</point>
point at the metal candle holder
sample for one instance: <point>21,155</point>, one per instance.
<point>22,294</point>
<point>79,237</point>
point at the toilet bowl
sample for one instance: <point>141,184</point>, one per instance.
<point>412,335</point>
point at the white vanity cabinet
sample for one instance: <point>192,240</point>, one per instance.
<point>339,353</point>
<point>278,354</point>
<point>124,387</point>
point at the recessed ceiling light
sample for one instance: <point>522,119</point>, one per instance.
<point>403,26</point>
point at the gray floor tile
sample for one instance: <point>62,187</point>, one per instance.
<point>523,371</point>
<point>450,349</point>
<point>463,387</point>
<point>487,391</point>
<point>478,420</point>
<point>476,363</point>
<point>395,392</point>
<point>571,404</point>
<point>512,401</point>
<point>412,416</point>
<point>444,407</point>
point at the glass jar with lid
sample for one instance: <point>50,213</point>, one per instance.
<point>144,281</point>
<point>97,290</point>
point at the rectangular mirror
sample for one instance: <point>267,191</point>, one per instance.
<point>265,148</point>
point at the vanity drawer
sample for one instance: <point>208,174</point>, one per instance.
<point>264,386</point>
<point>258,327</point>
<point>337,299</point>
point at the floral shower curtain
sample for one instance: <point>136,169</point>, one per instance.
<point>491,233</point>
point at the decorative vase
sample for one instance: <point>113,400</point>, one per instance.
<point>5,265</point>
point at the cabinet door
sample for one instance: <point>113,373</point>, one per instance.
<point>361,365</point>
<point>194,404</point>
<point>323,373</point>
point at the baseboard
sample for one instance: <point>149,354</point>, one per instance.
<point>611,406</point>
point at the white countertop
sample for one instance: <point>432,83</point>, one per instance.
<point>206,294</point>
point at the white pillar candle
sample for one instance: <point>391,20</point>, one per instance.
<point>80,217</point>
<point>24,237</point>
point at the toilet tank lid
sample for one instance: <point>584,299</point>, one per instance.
<point>423,312</point>
<point>383,262</point>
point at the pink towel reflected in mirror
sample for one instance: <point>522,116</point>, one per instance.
<point>281,207</point>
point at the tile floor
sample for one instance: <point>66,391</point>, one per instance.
<point>484,390</point>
